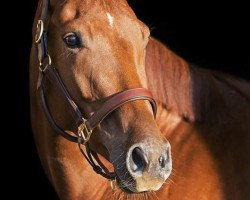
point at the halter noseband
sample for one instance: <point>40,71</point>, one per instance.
<point>85,125</point>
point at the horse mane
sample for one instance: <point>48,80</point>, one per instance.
<point>194,93</point>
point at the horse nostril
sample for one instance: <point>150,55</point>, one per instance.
<point>139,160</point>
<point>162,161</point>
<point>165,158</point>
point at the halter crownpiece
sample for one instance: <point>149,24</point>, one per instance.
<point>85,125</point>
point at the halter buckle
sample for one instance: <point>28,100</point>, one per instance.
<point>39,31</point>
<point>83,132</point>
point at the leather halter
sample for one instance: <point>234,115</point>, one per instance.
<point>85,125</point>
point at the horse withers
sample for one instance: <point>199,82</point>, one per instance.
<point>88,78</point>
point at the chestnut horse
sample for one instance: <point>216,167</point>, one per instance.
<point>92,64</point>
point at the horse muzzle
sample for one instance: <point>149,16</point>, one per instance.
<point>148,165</point>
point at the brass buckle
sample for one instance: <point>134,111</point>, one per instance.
<point>83,132</point>
<point>39,31</point>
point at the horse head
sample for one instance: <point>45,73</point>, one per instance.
<point>98,50</point>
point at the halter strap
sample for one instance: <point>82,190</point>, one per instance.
<point>112,103</point>
<point>85,125</point>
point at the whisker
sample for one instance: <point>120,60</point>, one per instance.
<point>121,165</point>
<point>154,195</point>
<point>170,180</point>
<point>117,158</point>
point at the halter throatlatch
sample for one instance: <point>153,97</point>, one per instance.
<point>85,125</point>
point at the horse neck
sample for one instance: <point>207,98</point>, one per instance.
<point>205,116</point>
<point>192,93</point>
<point>169,79</point>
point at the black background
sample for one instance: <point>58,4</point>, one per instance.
<point>208,34</point>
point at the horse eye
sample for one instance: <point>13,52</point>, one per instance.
<point>72,40</point>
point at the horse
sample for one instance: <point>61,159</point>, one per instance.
<point>99,81</point>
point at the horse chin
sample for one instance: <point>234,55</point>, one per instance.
<point>125,187</point>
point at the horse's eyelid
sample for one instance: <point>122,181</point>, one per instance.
<point>79,38</point>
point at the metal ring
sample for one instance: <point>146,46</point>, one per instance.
<point>43,66</point>
<point>49,59</point>
<point>39,31</point>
